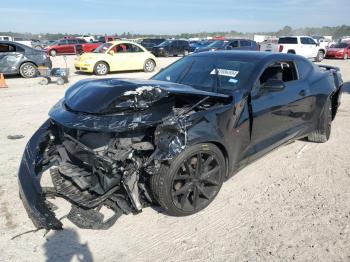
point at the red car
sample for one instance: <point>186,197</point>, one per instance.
<point>71,46</point>
<point>340,50</point>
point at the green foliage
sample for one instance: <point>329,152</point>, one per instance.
<point>335,31</point>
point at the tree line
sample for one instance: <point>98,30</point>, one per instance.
<point>334,31</point>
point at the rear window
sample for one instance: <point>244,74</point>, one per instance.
<point>288,40</point>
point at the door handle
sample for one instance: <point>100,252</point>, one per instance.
<point>302,93</point>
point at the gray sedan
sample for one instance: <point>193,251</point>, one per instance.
<point>16,58</point>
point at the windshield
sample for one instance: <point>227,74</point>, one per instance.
<point>217,44</point>
<point>103,48</point>
<point>340,45</point>
<point>213,74</point>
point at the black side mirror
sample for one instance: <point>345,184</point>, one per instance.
<point>273,85</point>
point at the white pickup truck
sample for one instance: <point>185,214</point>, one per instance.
<point>301,45</point>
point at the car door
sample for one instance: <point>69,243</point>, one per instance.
<point>313,47</point>
<point>278,114</point>
<point>122,58</point>
<point>304,47</point>
<point>70,48</point>
<point>10,58</point>
<point>62,47</point>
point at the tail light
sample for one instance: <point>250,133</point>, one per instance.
<point>280,49</point>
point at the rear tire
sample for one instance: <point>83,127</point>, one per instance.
<point>53,52</point>
<point>149,66</point>
<point>323,131</point>
<point>182,187</point>
<point>28,70</point>
<point>101,68</point>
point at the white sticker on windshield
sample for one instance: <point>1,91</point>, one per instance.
<point>225,72</point>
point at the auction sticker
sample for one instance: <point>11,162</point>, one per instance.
<point>225,72</point>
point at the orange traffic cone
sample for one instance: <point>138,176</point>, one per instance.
<point>2,81</point>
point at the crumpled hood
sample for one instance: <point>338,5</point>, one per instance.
<point>98,96</point>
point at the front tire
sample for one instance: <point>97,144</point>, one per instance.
<point>28,70</point>
<point>101,68</point>
<point>191,181</point>
<point>53,52</point>
<point>323,131</point>
<point>320,56</point>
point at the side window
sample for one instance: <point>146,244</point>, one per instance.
<point>72,42</point>
<point>234,44</point>
<point>81,41</point>
<point>62,42</point>
<point>19,49</point>
<point>135,49</point>
<point>281,70</point>
<point>311,41</point>
<point>304,40</point>
<point>245,43</point>
<point>5,48</point>
<point>109,39</point>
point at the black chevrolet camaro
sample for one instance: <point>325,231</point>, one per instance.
<point>172,140</point>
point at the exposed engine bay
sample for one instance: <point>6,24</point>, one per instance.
<point>112,168</point>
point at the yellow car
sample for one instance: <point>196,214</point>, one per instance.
<point>116,56</point>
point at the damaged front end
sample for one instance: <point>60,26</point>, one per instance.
<point>102,144</point>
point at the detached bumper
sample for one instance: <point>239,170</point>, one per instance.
<point>29,184</point>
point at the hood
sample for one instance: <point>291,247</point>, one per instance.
<point>103,96</point>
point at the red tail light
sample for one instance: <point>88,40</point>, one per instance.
<point>280,49</point>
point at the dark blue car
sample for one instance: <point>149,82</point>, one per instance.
<point>230,44</point>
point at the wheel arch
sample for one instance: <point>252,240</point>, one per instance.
<point>103,61</point>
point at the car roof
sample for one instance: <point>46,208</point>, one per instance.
<point>249,55</point>
<point>115,42</point>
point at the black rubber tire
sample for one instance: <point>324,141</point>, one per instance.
<point>323,132</point>
<point>28,70</point>
<point>60,81</point>
<point>147,68</point>
<point>320,56</point>
<point>99,72</point>
<point>53,52</point>
<point>161,183</point>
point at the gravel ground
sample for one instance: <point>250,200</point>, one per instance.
<point>293,204</point>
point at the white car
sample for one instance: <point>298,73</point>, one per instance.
<point>88,38</point>
<point>301,45</point>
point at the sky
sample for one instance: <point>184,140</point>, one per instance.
<point>168,17</point>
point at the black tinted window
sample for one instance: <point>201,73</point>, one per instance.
<point>72,42</point>
<point>81,41</point>
<point>234,44</point>
<point>5,48</point>
<point>246,43</point>
<point>288,40</point>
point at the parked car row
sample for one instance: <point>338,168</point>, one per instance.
<point>110,54</point>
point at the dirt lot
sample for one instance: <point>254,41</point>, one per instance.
<point>293,204</point>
